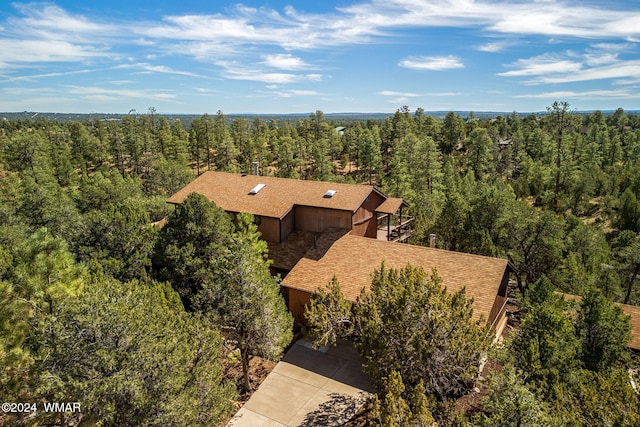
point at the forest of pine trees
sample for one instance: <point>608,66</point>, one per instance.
<point>558,194</point>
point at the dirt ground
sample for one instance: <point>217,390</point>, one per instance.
<point>259,368</point>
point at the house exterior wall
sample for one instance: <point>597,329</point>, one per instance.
<point>270,229</point>
<point>296,301</point>
<point>364,220</point>
<point>319,219</point>
<point>497,317</point>
<point>287,225</point>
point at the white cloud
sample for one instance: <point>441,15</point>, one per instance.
<point>163,69</point>
<point>206,36</point>
<point>444,94</point>
<point>542,65</point>
<point>234,34</point>
<point>402,94</point>
<point>433,63</point>
<point>21,52</point>
<point>399,100</point>
<point>600,58</point>
<point>281,78</point>
<point>235,70</point>
<point>294,93</point>
<point>593,94</point>
<point>121,82</point>
<point>574,67</point>
<point>494,47</point>
<point>405,97</point>
<point>567,18</point>
<point>96,93</point>
<point>284,62</point>
<point>613,47</point>
<point>34,77</point>
<point>618,70</point>
<point>52,20</point>
<point>234,42</point>
<point>205,90</point>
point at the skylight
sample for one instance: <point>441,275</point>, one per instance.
<point>257,188</point>
<point>329,194</point>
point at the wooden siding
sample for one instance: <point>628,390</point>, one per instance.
<point>287,225</point>
<point>270,229</point>
<point>296,300</point>
<point>498,313</point>
<point>308,218</point>
<point>364,220</point>
<point>498,308</point>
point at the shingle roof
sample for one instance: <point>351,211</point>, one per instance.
<point>231,192</point>
<point>391,205</point>
<point>632,311</point>
<point>302,243</point>
<point>352,259</point>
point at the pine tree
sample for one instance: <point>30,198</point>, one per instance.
<point>628,216</point>
<point>328,315</point>
<point>546,346</point>
<point>43,276</point>
<point>191,246</point>
<point>409,323</point>
<point>132,356</point>
<point>245,299</point>
<point>421,416</point>
<point>395,411</point>
<point>604,331</point>
<point>510,403</point>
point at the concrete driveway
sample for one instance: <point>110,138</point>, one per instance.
<point>308,387</point>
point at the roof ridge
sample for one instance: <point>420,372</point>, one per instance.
<point>420,247</point>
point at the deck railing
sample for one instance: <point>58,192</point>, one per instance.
<point>394,228</point>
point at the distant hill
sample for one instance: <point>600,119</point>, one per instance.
<point>186,119</point>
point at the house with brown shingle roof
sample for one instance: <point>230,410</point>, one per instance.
<point>633,311</point>
<point>283,205</point>
<point>352,260</point>
<point>316,230</point>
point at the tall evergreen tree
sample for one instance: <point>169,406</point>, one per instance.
<point>452,133</point>
<point>604,331</point>
<point>628,216</point>
<point>245,300</point>
<point>546,346</point>
<point>191,246</point>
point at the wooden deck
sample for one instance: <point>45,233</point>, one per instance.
<point>395,233</point>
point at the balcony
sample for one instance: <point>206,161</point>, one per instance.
<point>394,228</point>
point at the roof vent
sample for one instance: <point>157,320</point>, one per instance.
<point>257,188</point>
<point>329,194</point>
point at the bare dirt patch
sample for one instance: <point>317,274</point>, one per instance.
<point>259,368</point>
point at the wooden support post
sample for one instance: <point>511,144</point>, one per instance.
<point>400,225</point>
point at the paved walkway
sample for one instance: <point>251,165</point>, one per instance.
<point>308,387</point>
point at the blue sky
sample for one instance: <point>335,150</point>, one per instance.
<point>275,56</point>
